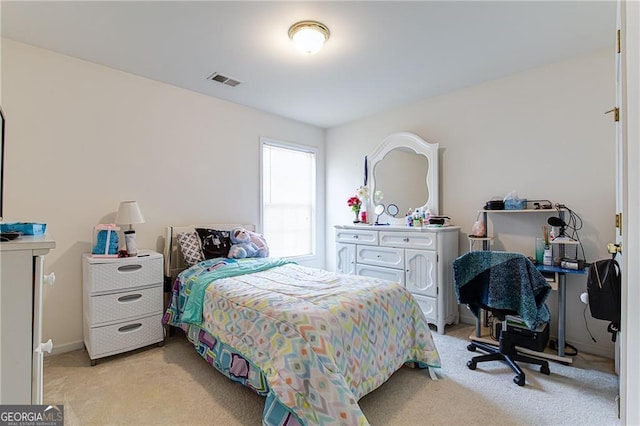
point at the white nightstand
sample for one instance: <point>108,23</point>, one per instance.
<point>122,303</point>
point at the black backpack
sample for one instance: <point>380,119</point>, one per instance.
<point>603,286</point>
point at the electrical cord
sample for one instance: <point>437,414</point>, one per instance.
<point>553,344</point>
<point>584,315</point>
<point>574,224</point>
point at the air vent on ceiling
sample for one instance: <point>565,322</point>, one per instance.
<point>223,79</point>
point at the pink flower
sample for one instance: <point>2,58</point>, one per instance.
<point>354,203</point>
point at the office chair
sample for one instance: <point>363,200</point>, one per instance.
<point>505,284</point>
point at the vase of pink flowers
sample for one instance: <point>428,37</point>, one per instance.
<point>355,204</point>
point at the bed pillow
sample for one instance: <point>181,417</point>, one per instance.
<point>189,244</point>
<point>214,243</point>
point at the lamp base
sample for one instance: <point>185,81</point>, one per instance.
<point>130,241</point>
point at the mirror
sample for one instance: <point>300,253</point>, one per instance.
<point>405,168</point>
<point>378,211</point>
<point>395,174</point>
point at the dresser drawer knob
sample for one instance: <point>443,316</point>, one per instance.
<point>129,268</point>
<point>355,236</point>
<point>129,327</point>
<point>406,239</point>
<point>129,297</point>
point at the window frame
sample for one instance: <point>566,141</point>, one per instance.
<point>313,258</point>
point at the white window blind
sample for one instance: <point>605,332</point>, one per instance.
<point>288,199</point>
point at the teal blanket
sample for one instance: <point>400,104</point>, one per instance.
<point>502,281</point>
<point>224,269</point>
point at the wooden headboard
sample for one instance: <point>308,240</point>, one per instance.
<point>173,260</point>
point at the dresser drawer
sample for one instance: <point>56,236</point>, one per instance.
<point>429,306</point>
<point>357,236</point>
<point>395,275</point>
<point>125,336</point>
<point>380,256</point>
<point>415,240</point>
<point>121,274</point>
<point>124,305</point>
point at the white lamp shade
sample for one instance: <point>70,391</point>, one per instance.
<point>129,213</point>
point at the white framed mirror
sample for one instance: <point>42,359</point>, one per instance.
<point>405,168</point>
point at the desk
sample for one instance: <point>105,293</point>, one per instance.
<point>561,278</point>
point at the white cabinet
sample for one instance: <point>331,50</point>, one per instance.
<point>421,259</point>
<point>21,299</point>
<point>122,303</point>
<point>346,258</point>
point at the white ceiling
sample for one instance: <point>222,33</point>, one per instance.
<point>380,54</point>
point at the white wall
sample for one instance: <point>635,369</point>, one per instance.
<point>542,132</point>
<point>82,137</point>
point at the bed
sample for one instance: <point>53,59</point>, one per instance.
<point>311,341</point>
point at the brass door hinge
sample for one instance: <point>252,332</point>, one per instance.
<point>616,113</point>
<point>619,223</point>
<point>614,248</point>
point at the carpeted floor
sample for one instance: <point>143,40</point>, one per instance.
<point>172,385</point>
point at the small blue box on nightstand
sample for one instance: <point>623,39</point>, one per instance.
<point>25,228</point>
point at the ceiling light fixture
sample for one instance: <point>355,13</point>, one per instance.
<point>309,36</point>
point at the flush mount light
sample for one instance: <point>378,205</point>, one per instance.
<point>309,36</point>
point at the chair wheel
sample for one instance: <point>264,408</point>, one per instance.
<point>471,347</point>
<point>545,370</point>
<point>471,364</point>
<point>519,380</point>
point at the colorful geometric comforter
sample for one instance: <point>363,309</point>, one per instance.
<point>321,340</point>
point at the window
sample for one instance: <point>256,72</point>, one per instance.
<point>288,198</point>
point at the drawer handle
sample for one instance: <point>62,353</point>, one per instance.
<point>406,239</point>
<point>129,268</point>
<point>355,236</point>
<point>129,297</point>
<point>129,327</point>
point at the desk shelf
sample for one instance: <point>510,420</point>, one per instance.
<point>558,282</point>
<point>522,211</point>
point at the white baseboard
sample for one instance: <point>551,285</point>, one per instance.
<point>66,347</point>
<point>466,317</point>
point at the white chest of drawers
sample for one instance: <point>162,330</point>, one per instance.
<point>22,282</point>
<point>122,303</point>
<point>419,258</point>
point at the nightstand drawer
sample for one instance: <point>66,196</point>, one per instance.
<point>122,306</point>
<point>125,336</point>
<point>122,273</point>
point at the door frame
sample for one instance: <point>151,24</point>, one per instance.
<point>630,110</point>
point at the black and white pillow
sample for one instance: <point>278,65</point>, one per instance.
<point>214,243</point>
<point>190,248</point>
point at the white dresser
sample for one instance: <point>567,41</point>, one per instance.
<point>122,303</point>
<point>421,259</point>
<point>21,299</point>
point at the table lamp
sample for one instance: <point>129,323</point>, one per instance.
<point>128,214</point>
